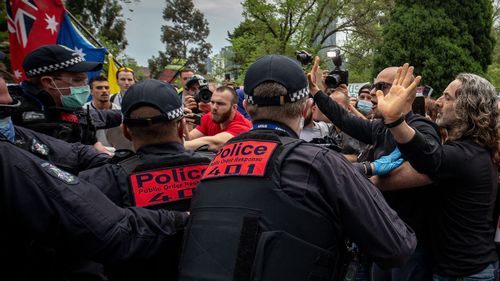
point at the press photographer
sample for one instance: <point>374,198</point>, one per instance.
<point>198,97</point>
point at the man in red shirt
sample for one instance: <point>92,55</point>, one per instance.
<point>221,124</point>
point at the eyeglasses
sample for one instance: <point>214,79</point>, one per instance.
<point>125,69</point>
<point>102,87</point>
<point>382,86</point>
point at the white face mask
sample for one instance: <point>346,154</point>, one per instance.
<point>301,123</point>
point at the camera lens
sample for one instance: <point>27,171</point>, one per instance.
<point>332,80</point>
<point>205,95</point>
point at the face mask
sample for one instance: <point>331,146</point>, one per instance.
<point>7,129</point>
<point>77,98</point>
<point>365,106</point>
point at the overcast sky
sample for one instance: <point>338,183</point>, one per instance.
<point>144,27</point>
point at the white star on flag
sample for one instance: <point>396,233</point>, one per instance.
<point>80,52</point>
<point>18,74</point>
<point>51,23</point>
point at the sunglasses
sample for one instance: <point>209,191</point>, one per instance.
<point>102,87</point>
<point>125,69</point>
<point>382,86</point>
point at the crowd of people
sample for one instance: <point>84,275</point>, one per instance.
<point>282,178</point>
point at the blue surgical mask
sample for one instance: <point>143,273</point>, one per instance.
<point>365,106</point>
<point>77,98</point>
<point>7,129</point>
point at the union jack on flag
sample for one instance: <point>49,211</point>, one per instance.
<point>34,23</point>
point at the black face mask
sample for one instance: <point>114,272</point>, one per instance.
<point>7,110</point>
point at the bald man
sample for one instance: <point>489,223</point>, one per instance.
<point>409,204</point>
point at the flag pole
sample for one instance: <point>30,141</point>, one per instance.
<point>80,25</point>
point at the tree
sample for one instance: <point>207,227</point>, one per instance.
<point>184,35</point>
<point>494,69</point>
<point>284,26</point>
<point>440,38</point>
<point>104,19</point>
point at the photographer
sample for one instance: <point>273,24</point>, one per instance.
<point>198,95</point>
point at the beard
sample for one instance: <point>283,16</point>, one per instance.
<point>221,118</point>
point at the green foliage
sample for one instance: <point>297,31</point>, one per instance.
<point>184,35</point>
<point>283,26</point>
<point>440,38</point>
<point>493,73</point>
<point>103,19</point>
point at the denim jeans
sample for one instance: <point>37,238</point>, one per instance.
<point>490,273</point>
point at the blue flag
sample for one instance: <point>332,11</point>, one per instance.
<point>70,37</point>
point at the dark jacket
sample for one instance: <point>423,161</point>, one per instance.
<point>45,208</point>
<point>409,203</point>
<point>38,112</point>
<point>154,164</point>
<point>283,215</point>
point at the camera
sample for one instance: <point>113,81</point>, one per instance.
<point>304,57</point>
<point>203,94</point>
<point>337,76</point>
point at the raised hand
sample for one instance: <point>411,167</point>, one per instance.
<point>311,77</point>
<point>401,95</point>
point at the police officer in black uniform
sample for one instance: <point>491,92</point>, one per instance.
<point>272,207</point>
<point>52,98</point>
<point>71,157</point>
<point>162,174</point>
<point>44,207</point>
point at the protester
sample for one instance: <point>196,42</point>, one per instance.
<point>221,124</point>
<point>99,90</point>
<point>125,78</point>
<point>272,206</point>
<point>464,169</point>
<point>410,204</point>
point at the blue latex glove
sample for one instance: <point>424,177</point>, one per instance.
<point>387,163</point>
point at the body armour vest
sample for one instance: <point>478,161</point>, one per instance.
<point>244,227</point>
<point>165,184</point>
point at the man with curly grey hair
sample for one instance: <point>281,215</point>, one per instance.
<point>464,169</point>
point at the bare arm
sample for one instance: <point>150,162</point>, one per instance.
<point>403,177</point>
<point>194,134</point>
<point>214,142</point>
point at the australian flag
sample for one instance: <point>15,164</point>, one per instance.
<point>34,23</point>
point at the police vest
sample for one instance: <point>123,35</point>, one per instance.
<point>244,227</point>
<point>70,125</point>
<point>166,184</point>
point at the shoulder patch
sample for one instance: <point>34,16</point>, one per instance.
<point>39,148</point>
<point>57,173</point>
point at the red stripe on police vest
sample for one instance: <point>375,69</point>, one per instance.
<point>165,185</point>
<point>245,158</point>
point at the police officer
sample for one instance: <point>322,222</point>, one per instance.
<point>162,174</point>
<point>272,207</point>
<point>72,157</point>
<point>52,98</point>
<point>45,208</point>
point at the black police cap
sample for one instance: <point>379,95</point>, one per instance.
<point>51,58</point>
<point>154,93</point>
<point>279,69</point>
